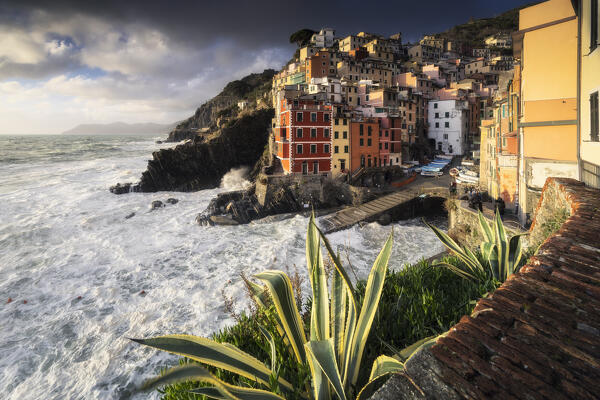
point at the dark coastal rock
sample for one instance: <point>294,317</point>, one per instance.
<point>172,200</point>
<point>159,142</point>
<point>201,165</point>
<point>156,204</point>
<point>130,215</point>
<point>384,219</point>
<point>121,188</point>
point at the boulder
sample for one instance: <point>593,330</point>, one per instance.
<point>172,200</point>
<point>130,215</point>
<point>384,219</point>
<point>156,204</point>
<point>223,220</point>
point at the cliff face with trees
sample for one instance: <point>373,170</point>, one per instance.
<point>251,88</point>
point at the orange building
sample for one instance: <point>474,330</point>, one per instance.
<point>319,66</point>
<point>365,143</point>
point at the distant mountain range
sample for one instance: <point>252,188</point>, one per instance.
<point>120,128</point>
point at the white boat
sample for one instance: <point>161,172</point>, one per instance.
<point>469,179</point>
<point>431,172</point>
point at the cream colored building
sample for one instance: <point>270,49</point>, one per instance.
<point>589,89</point>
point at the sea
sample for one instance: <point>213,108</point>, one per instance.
<point>78,278</point>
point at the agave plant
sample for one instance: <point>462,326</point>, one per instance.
<point>501,256</point>
<point>338,331</point>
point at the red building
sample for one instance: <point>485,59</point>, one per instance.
<point>303,136</point>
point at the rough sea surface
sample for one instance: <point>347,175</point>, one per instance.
<point>75,267</point>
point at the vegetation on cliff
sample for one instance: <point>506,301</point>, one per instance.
<point>475,31</point>
<point>250,88</point>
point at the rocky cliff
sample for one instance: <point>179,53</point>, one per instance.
<point>252,88</point>
<point>201,163</point>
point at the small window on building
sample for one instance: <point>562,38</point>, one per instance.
<point>335,149</point>
<point>447,114</point>
<point>326,132</point>
<point>336,135</point>
<point>313,149</point>
<point>299,117</point>
<point>362,142</point>
<point>345,120</point>
<point>283,133</point>
<point>447,124</point>
<point>446,136</point>
<point>437,124</point>
<point>313,132</point>
<point>437,115</point>
<point>313,117</point>
<point>345,135</point>
<point>386,145</point>
<point>369,130</point>
<point>337,121</point>
<point>326,117</point>
<point>345,149</point>
<point>369,142</point>
<point>594,118</point>
<point>326,148</point>
<point>299,132</point>
<point>380,146</point>
<point>361,130</point>
<point>593,25</point>
<point>299,149</point>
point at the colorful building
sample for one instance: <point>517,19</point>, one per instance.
<point>365,143</point>
<point>302,134</point>
<point>340,156</point>
<point>588,91</point>
<point>546,45</point>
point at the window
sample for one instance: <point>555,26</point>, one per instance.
<point>362,142</point>
<point>361,130</point>
<point>313,117</point>
<point>594,134</point>
<point>594,27</point>
<point>368,142</point>
<point>437,124</point>
<point>369,130</point>
<point>299,132</point>
<point>345,149</point>
<point>299,117</point>
<point>326,132</point>
<point>446,136</point>
<point>447,124</point>
<point>336,149</point>
<point>313,132</point>
<point>447,114</point>
<point>283,133</point>
<point>337,121</point>
<point>345,120</point>
<point>326,148</point>
<point>345,135</point>
<point>299,149</point>
<point>380,146</point>
<point>336,135</point>
<point>437,115</point>
<point>313,148</point>
<point>386,145</point>
<point>326,117</point>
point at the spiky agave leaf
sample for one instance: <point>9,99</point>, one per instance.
<point>369,308</point>
<point>220,390</point>
<point>319,316</point>
<point>220,355</point>
<point>382,366</point>
<point>338,315</point>
<point>280,287</point>
<point>322,358</point>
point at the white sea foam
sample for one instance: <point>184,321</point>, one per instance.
<point>63,235</point>
<point>236,179</point>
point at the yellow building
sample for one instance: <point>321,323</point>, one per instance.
<point>546,45</point>
<point>589,87</point>
<point>340,142</point>
<point>486,155</point>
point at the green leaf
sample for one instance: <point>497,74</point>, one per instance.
<point>220,355</point>
<point>192,372</point>
<point>241,393</point>
<point>322,356</point>
<point>269,338</point>
<point>406,352</point>
<point>485,228</point>
<point>502,248</point>
<point>350,331</point>
<point>515,253</point>
<point>338,313</point>
<point>385,365</point>
<point>319,317</point>
<point>341,270</point>
<point>369,308</point>
<point>280,287</point>
<point>486,249</point>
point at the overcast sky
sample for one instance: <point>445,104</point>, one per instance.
<point>63,63</point>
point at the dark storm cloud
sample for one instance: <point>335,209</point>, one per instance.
<point>67,62</point>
